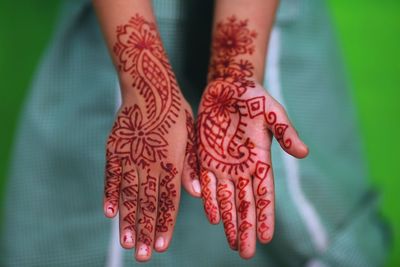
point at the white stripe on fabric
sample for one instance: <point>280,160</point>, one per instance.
<point>308,213</point>
<point>114,257</point>
<point>316,263</point>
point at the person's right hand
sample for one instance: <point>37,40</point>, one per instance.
<point>151,146</point>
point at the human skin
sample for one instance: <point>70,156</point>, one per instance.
<point>236,121</point>
<point>151,147</point>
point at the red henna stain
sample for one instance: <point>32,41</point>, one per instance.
<point>226,207</point>
<point>129,197</point>
<point>138,135</point>
<point>191,147</point>
<point>111,185</point>
<point>209,206</point>
<point>147,207</point>
<point>261,174</point>
<point>279,129</point>
<point>167,195</point>
<point>243,212</point>
<point>230,79</point>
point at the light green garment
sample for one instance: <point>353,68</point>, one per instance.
<point>326,214</point>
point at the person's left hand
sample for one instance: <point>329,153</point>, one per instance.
<point>235,126</point>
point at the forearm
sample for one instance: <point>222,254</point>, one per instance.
<point>250,40</point>
<point>126,38</point>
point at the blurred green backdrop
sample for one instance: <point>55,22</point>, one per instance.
<point>369,35</point>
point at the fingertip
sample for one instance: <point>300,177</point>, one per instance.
<point>127,240</point>
<point>192,187</point>
<point>161,244</point>
<point>247,254</point>
<point>265,241</point>
<point>196,187</point>
<point>302,151</point>
<point>110,210</point>
<point>143,253</point>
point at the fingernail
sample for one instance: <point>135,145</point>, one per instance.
<point>143,250</point>
<point>160,243</point>
<point>110,210</point>
<point>128,238</point>
<point>196,186</point>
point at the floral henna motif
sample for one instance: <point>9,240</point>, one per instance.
<point>139,135</point>
<point>221,102</point>
<point>225,112</point>
<point>226,208</point>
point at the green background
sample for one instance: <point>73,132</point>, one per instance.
<point>369,35</point>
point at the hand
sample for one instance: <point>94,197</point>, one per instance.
<point>151,145</point>
<point>237,118</point>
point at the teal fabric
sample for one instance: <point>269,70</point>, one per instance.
<point>54,196</point>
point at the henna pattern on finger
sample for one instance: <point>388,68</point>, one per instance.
<point>224,196</point>
<point>129,195</point>
<point>113,175</point>
<point>243,209</point>
<point>147,208</point>
<point>191,148</point>
<point>279,129</point>
<point>209,206</point>
<point>167,195</point>
<point>261,173</point>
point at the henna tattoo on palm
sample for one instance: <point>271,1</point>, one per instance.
<point>230,143</point>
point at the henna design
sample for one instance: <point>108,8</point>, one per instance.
<point>113,174</point>
<point>279,129</point>
<point>226,208</point>
<point>166,196</point>
<point>138,138</point>
<point>137,135</point>
<point>147,206</point>
<point>243,211</point>
<point>224,113</point>
<point>261,173</point>
<point>129,198</point>
<point>191,148</point>
<point>209,207</point>
<point>221,101</point>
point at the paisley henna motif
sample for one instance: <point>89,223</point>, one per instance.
<point>138,139</point>
<point>223,144</point>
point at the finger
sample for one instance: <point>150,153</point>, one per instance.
<point>147,214</point>
<point>208,193</point>
<point>111,184</point>
<point>246,218</point>
<point>190,178</point>
<point>168,203</point>
<point>128,207</point>
<point>226,201</point>
<point>284,132</point>
<point>263,188</point>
